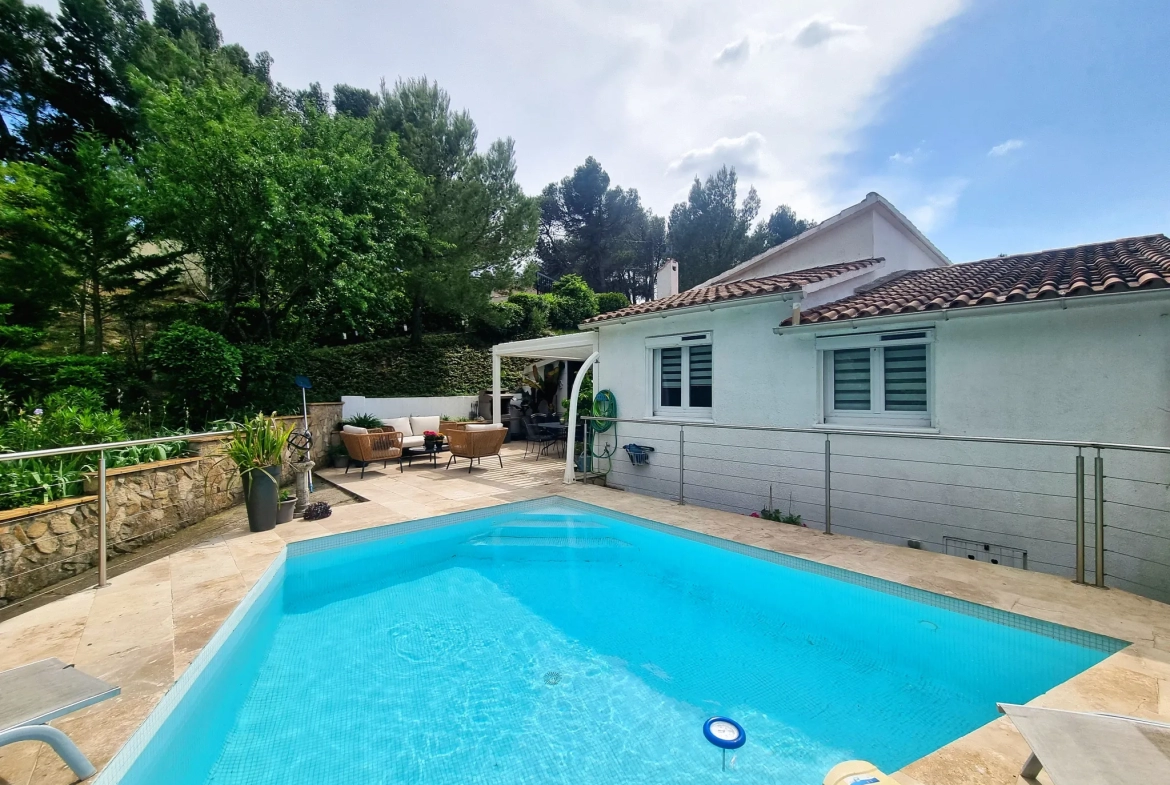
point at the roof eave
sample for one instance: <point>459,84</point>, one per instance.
<point>945,314</point>
<point>790,295</point>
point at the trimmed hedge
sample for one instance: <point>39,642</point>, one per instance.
<point>391,368</point>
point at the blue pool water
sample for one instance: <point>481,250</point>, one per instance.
<point>550,642</point>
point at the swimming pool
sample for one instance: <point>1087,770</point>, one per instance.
<point>554,642</point>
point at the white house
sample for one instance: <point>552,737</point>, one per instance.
<point>861,325</point>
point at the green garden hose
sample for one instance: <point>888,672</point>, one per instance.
<point>604,405</point>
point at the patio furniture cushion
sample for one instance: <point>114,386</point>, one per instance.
<point>413,441</point>
<point>420,424</point>
<point>474,427</point>
<point>400,424</point>
<point>353,429</point>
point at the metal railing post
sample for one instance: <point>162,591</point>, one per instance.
<point>828,486</point>
<point>1080,533</point>
<point>681,499</point>
<point>1099,514</point>
<point>101,518</point>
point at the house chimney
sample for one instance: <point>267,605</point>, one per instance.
<point>667,283</point>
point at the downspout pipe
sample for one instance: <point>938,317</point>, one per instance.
<point>571,436</point>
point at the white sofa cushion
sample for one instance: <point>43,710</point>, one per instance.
<point>418,425</point>
<point>487,426</point>
<point>413,441</point>
<point>400,424</point>
<point>353,429</point>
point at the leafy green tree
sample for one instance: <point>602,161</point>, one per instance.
<point>478,223</point>
<point>186,18</point>
<point>782,225</point>
<point>535,308</point>
<point>277,211</point>
<point>709,233</point>
<point>24,73</point>
<point>601,233</point>
<point>77,225</point>
<point>354,101</point>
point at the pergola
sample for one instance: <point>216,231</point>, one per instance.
<point>581,346</point>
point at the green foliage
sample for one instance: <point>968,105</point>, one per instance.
<point>363,421</point>
<point>478,224</point>
<point>709,232</point>
<point>611,301</point>
<point>781,517</point>
<point>500,322</point>
<point>32,377</point>
<point>266,378</point>
<point>197,367</point>
<point>601,233</point>
<point>64,419</point>
<point>536,309</point>
<point>572,302</point>
<point>389,368</point>
<point>256,444</point>
<point>293,216</point>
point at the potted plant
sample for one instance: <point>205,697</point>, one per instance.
<point>338,457</point>
<point>284,513</point>
<point>432,440</point>
<point>255,447</point>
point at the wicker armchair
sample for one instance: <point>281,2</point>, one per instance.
<point>377,445</point>
<point>476,444</point>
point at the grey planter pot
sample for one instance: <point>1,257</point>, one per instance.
<point>284,513</point>
<point>261,497</point>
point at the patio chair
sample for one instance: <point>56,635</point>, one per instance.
<point>367,446</point>
<point>537,437</point>
<point>32,695</point>
<point>476,442</point>
<point>1080,748</point>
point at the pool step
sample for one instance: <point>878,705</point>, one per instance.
<point>543,527</point>
<point>560,545</point>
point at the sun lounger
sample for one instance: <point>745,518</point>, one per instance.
<point>32,695</point>
<point>1079,748</point>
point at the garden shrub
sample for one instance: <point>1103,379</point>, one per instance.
<point>535,308</point>
<point>198,367</point>
<point>611,301</point>
<point>572,302</point>
<point>500,322</point>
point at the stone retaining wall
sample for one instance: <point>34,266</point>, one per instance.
<point>42,545</point>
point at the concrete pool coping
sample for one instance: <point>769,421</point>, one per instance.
<point>146,627</point>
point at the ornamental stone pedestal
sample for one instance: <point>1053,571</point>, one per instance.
<point>302,469</point>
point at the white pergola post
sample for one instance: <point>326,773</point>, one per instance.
<point>496,417</point>
<point>571,436</point>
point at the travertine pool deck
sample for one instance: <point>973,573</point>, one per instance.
<point>146,627</point>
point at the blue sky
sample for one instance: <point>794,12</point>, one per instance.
<point>1081,85</point>
<point>815,102</point>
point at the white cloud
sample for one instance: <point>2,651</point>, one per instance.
<point>631,84</point>
<point>1000,150</point>
<point>734,53</point>
<point>743,152</point>
<point>906,159</point>
<point>817,31</point>
<point>938,205</point>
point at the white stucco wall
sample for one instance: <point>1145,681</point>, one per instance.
<point>389,408</point>
<point>848,241</point>
<point>1096,371</point>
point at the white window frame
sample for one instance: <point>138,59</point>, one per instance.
<point>876,415</point>
<point>682,340</point>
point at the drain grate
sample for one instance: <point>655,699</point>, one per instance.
<point>551,678</point>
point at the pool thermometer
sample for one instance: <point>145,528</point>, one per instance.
<point>726,734</point>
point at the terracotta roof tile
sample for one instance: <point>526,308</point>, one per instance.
<point>772,284</point>
<point>1117,266</point>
